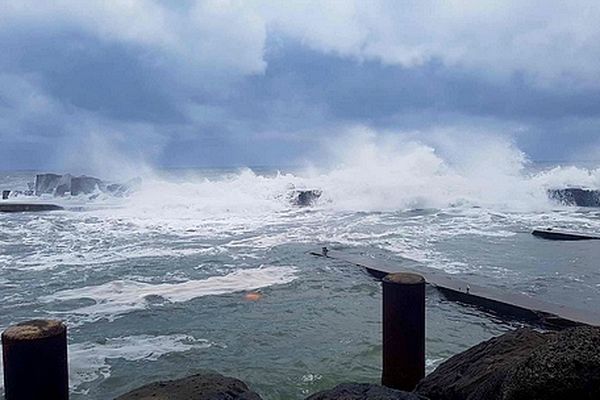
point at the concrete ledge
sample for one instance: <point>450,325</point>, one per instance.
<point>28,207</point>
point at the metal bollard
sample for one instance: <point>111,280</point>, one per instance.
<point>35,361</point>
<point>403,331</point>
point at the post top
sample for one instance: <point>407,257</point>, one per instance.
<point>34,329</point>
<point>404,278</point>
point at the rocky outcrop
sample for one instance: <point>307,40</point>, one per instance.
<point>523,364</point>
<point>304,198</point>
<point>567,366</point>
<point>47,183</point>
<point>196,387</point>
<point>363,391</point>
<point>60,185</point>
<point>576,197</point>
<point>85,185</point>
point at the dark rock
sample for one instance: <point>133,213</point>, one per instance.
<point>522,364</point>
<point>478,372</point>
<point>304,198</point>
<point>363,391</point>
<point>196,387</point>
<point>28,207</point>
<point>5,194</point>
<point>576,197</point>
<point>566,367</point>
<point>85,185</point>
<point>46,183</point>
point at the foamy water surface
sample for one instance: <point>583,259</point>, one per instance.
<point>152,286</point>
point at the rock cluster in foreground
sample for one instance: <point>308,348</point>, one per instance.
<point>523,364</point>
<point>519,365</point>
<point>195,387</point>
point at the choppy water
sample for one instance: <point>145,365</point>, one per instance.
<point>152,286</point>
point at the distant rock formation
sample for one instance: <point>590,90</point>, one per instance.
<point>47,183</point>
<point>196,387</point>
<point>61,185</point>
<point>576,197</point>
<point>523,364</point>
<point>363,391</point>
<point>304,198</point>
<point>84,185</point>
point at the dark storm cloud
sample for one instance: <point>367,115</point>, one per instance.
<point>210,85</point>
<point>117,81</point>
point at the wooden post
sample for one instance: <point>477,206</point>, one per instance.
<point>35,361</point>
<point>403,330</point>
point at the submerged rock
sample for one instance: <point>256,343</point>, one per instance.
<point>576,197</point>
<point>523,364</point>
<point>196,387</point>
<point>304,198</point>
<point>363,391</point>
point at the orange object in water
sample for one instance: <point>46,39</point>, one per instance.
<point>253,296</point>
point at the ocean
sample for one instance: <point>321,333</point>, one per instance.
<point>152,286</point>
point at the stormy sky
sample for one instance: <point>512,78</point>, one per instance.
<point>250,82</point>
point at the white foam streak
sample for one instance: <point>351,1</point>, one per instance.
<point>88,361</point>
<point>122,296</point>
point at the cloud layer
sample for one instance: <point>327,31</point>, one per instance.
<point>200,83</point>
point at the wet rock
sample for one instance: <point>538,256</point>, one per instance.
<point>5,194</point>
<point>522,364</point>
<point>196,387</point>
<point>576,197</point>
<point>304,198</point>
<point>566,367</point>
<point>64,185</point>
<point>85,185</point>
<point>46,183</point>
<point>363,391</point>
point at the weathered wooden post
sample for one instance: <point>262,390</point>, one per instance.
<point>403,330</point>
<point>35,361</point>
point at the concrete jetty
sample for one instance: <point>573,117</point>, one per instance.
<point>509,304</point>
<point>28,207</point>
<point>554,234</point>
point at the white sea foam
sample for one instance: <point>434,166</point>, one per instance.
<point>369,172</point>
<point>118,297</point>
<point>88,361</point>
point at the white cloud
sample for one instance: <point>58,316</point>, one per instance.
<point>556,42</point>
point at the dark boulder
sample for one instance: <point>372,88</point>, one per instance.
<point>85,185</point>
<point>523,364</point>
<point>576,197</point>
<point>566,367</point>
<point>47,183</point>
<point>196,387</point>
<point>304,198</point>
<point>5,194</point>
<point>363,391</point>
